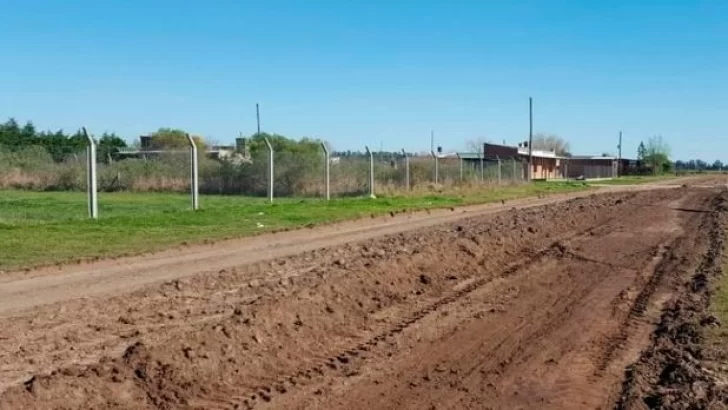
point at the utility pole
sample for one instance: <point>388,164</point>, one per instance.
<point>432,141</point>
<point>619,161</point>
<point>257,115</point>
<point>530,138</point>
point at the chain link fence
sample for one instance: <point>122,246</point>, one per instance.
<point>294,174</point>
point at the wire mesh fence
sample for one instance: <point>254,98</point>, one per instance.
<point>294,174</point>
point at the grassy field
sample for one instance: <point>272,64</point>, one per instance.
<point>40,228</point>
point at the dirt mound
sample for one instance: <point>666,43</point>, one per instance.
<point>672,373</point>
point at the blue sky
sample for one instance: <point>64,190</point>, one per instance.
<point>375,72</point>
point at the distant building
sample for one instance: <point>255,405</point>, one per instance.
<point>236,153</point>
<point>547,165</point>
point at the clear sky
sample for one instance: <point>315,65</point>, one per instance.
<point>375,72</point>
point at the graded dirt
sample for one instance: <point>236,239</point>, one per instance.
<point>543,307</point>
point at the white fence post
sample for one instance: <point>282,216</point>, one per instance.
<point>327,170</point>
<point>437,167</point>
<point>482,166</point>
<point>194,181</point>
<point>271,174</point>
<point>499,171</point>
<point>460,159</point>
<point>93,202</point>
<point>371,171</point>
<point>406,170</point>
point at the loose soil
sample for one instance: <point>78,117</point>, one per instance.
<point>542,307</point>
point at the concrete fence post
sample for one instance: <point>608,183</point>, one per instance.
<point>271,173</point>
<point>194,181</point>
<point>437,167</point>
<point>515,176</point>
<point>460,159</point>
<point>93,201</point>
<point>327,171</point>
<point>371,171</point>
<point>406,170</point>
<point>482,166</point>
<point>499,171</point>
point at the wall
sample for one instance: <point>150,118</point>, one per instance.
<point>546,168</point>
<point>592,168</point>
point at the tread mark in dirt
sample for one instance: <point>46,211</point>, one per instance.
<point>671,372</point>
<point>335,363</point>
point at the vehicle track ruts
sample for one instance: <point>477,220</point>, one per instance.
<point>463,315</point>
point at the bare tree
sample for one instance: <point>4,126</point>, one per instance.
<point>476,145</point>
<point>657,154</point>
<point>551,142</point>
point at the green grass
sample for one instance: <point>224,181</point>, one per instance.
<point>719,299</point>
<point>632,180</point>
<point>40,228</point>
<point>717,337</point>
<point>719,303</point>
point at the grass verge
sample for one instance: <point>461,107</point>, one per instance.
<point>41,228</point>
<point>717,337</point>
<point>632,180</point>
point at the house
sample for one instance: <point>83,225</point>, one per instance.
<point>547,165</point>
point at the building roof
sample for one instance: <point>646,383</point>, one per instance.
<point>469,155</point>
<point>493,151</point>
<point>592,157</point>
<point>538,153</point>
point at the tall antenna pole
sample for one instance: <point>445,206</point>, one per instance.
<point>619,164</point>
<point>530,137</point>
<point>257,115</point>
<point>432,141</point>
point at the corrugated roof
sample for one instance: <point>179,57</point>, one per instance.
<point>469,155</point>
<point>591,157</point>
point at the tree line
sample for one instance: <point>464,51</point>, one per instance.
<point>58,144</point>
<point>654,153</point>
<point>699,165</point>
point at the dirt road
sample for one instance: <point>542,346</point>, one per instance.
<point>23,290</point>
<point>541,307</point>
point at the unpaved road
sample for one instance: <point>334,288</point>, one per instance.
<point>541,307</point>
<point>23,290</point>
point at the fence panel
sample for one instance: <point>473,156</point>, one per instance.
<point>350,176</point>
<point>449,171</point>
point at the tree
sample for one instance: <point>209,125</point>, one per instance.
<point>641,151</point>
<point>108,145</point>
<point>171,138</point>
<point>718,165</point>
<point>57,144</point>
<point>657,154</point>
<point>475,145</point>
<point>551,142</point>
